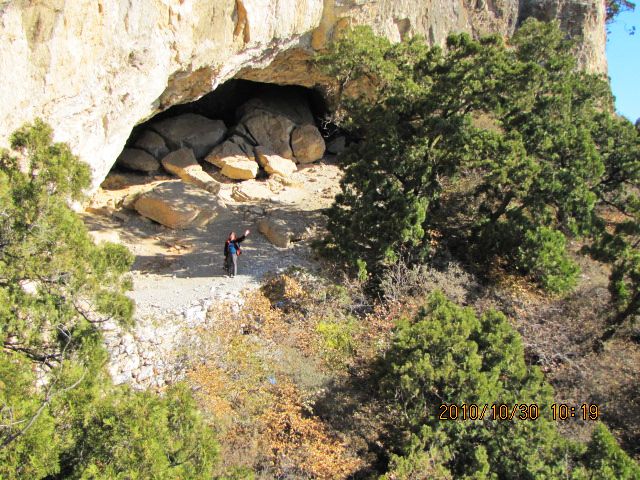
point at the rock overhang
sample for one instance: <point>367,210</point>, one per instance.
<point>94,71</point>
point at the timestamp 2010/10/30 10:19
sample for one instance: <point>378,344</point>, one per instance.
<point>517,411</point>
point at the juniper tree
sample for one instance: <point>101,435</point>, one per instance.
<point>448,355</point>
<point>548,156</point>
<point>60,415</point>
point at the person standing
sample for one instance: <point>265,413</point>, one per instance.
<point>232,251</point>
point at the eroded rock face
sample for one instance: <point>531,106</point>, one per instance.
<point>93,70</point>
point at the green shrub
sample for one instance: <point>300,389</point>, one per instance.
<point>337,340</point>
<point>447,355</point>
<point>60,415</point>
<point>544,255</point>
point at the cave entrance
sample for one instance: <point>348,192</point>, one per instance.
<point>247,156</point>
<point>231,133</point>
<point>224,101</point>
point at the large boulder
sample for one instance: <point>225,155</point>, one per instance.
<point>307,144</point>
<point>152,143</point>
<point>199,133</point>
<point>283,227</point>
<point>274,164</point>
<point>271,131</point>
<point>235,159</point>
<point>177,205</point>
<point>138,160</point>
<point>183,163</point>
<point>276,231</point>
<point>290,103</point>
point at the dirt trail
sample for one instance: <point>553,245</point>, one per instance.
<point>175,270</point>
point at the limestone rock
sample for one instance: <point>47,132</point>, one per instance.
<point>281,227</point>
<point>184,164</point>
<point>250,191</point>
<point>191,130</point>
<point>276,231</point>
<point>270,131</point>
<point>177,205</point>
<point>307,143</point>
<point>152,143</point>
<point>291,104</point>
<point>240,169</point>
<point>95,70</point>
<point>139,160</point>
<point>273,163</point>
<point>233,159</point>
<point>231,150</point>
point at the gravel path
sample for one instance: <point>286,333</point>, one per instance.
<point>169,283</point>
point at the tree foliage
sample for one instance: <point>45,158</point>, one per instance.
<point>536,137</point>
<point>614,7</point>
<point>60,415</point>
<point>447,355</point>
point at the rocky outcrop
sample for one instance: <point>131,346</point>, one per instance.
<point>583,20</point>
<point>95,69</point>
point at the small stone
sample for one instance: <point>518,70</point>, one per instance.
<point>132,362</point>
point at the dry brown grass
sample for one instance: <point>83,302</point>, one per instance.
<point>260,370</point>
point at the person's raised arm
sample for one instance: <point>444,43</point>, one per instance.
<point>247,232</point>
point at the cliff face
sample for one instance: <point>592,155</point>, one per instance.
<point>95,68</point>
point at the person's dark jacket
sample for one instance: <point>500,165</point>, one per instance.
<point>231,246</point>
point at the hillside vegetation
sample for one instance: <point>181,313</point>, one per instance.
<point>506,152</point>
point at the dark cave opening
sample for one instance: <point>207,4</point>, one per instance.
<point>240,118</point>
